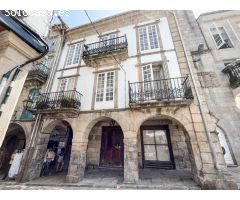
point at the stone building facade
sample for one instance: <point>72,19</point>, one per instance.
<point>129,98</point>
<point>216,65</point>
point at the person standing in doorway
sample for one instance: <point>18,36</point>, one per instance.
<point>60,161</point>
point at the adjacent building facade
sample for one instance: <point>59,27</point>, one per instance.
<point>218,71</point>
<point>127,94</point>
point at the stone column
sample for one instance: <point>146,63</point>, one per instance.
<point>77,163</point>
<point>131,172</point>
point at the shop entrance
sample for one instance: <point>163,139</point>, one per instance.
<point>112,147</point>
<point>11,152</point>
<point>58,152</point>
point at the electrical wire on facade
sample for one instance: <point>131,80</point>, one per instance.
<point>120,65</point>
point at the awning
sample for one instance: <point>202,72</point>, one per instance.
<point>22,31</point>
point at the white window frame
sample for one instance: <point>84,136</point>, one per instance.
<point>69,84</point>
<point>105,103</point>
<point>217,28</point>
<point>107,37</point>
<point>70,61</point>
<point>148,38</point>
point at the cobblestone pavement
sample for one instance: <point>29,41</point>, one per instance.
<point>112,179</point>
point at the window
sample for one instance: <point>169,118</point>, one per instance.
<point>156,147</point>
<point>220,37</point>
<point>74,54</point>
<point>108,39</point>
<point>67,84</point>
<point>105,87</point>
<point>32,96</point>
<point>148,38</point>
<point>154,72</point>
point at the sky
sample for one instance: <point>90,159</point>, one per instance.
<point>78,17</point>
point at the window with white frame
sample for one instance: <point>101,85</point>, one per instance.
<point>148,37</point>
<point>220,37</point>
<point>105,87</point>
<point>108,39</point>
<point>74,54</point>
<point>66,84</point>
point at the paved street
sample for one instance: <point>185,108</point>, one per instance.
<point>112,179</point>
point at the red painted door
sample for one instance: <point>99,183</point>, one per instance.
<point>112,147</point>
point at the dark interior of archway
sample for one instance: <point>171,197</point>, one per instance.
<point>60,141</point>
<point>14,140</point>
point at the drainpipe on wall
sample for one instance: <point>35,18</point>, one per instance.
<point>213,153</point>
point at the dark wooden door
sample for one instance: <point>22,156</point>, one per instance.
<point>112,147</point>
<point>156,147</point>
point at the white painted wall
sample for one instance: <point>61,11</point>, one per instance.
<point>86,79</point>
<point>165,34</point>
<point>40,24</point>
<point>172,63</point>
<point>85,87</point>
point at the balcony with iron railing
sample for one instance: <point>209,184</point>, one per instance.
<point>64,102</point>
<point>233,73</point>
<point>160,91</point>
<point>38,73</point>
<point>105,48</point>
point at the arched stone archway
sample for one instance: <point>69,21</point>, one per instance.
<point>96,146</point>
<point>15,140</point>
<point>164,143</point>
<point>55,135</point>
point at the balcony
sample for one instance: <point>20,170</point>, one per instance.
<point>233,73</point>
<point>59,104</point>
<point>38,74</point>
<point>173,91</point>
<point>94,52</point>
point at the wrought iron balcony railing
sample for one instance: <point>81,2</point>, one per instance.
<point>105,46</point>
<point>160,90</point>
<point>58,100</point>
<point>233,73</point>
<point>40,70</point>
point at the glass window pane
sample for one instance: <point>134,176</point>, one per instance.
<point>148,137</point>
<point>70,54</point>
<point>77,54</point>
<point>150,152</point>
<point>160,136</point>
<point>163,153</point>
<point>100,87</point>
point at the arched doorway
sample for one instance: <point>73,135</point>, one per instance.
<point>105,150</point>
<point>164,151</point>
<point>105,145</point>
<point>225,148</point>
<point>58,149</point>
<point>14,143</point>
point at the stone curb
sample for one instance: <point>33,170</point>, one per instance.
<point>120,186</point>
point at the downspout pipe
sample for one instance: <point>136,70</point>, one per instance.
<point>213,153</point>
